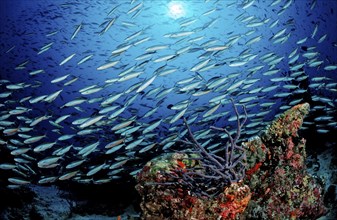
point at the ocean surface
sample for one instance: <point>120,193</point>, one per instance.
<point>92,90</point>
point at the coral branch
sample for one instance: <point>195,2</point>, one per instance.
<point>216,172</point>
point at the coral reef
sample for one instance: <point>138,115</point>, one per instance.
<point>170,201</point>
<point>276,173</point>
<point>276,184</point>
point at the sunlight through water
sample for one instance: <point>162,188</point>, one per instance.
<point>176,9</point>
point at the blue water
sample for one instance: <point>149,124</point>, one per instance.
<point>26,25</point>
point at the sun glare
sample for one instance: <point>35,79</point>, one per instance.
<point>176,9</point>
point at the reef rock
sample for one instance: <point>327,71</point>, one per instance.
<point>161,199</point>
<point>34,202</point>
<point>276,173</point>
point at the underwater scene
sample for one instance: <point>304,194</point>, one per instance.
<point>160,109</point>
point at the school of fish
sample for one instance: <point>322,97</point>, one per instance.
<point>89,91</point>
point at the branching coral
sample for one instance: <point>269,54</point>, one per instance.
<point>214,172</point>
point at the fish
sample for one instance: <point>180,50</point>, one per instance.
<point>301,41</point>
<point>151,112</point>
<point>18,181</point>
<point>68,175</point>
<point>75,164</point>
<point>108,65</point>
<point>95,169</point>
<point>46,180</point>
<point>111,99</point>
<point>132,36</point>
<point>91,121</point>
<point>122,125</point>
<point>282,79</point>
<point>270,88</point>
<point>200,65</point>
<point>74,102</point>
<point>59,79</point>
<point>145,39</point>
<point>77,30</point>
<point>116,113</point>
<point>62,118</point>
<point>108,26</point>
<point>147,148</point>
<point>146,84</point>
<point>35,72</point>
<point>188,22</point>
<point>117,164</point>
<point>178,116</point>
<point>114,149</point>
<point>152,126</point>
<point>7,166</point>
<point>322,38</point>
<point>235,85</point>
<point>314,31</point>
<point>71,81</point>
<point>253,40</point>
<point>48,162</point>
<point>237,63</point>
<point>330,67</point>
<point>282,95</point>
<point>121,49</point>
<point>44,146</point>
<point>39,119</point>
<point>114,143</point>
<point>85,151</point>
<point>247,4</point>
<point>91,90</point>
<point>216,48</point>
<point>179,34</point>
<point>167,71</point>
<point>85,59</point>
<point>212,110</point>
<point>135,8</point>
<point>50,98</point>
<point>129,76</point>
<point>164,58</point>
<point>34,139</point>
<point>190,86</point>
<point>67,59</point>
<point>19,151</point>
<point>155,48</point>
<point>62,151</point>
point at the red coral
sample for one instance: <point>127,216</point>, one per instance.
<point>237,199</point>
<point>289,152</point>
<point>297,161</point>
<point>181,165</point>
<point>254,169</point>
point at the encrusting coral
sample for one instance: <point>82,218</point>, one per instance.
<point>171,201</point>
<point>276,172</point>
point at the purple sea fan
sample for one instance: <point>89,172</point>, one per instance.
<point>214,172</point>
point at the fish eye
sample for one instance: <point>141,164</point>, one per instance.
<point>176,10</point>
